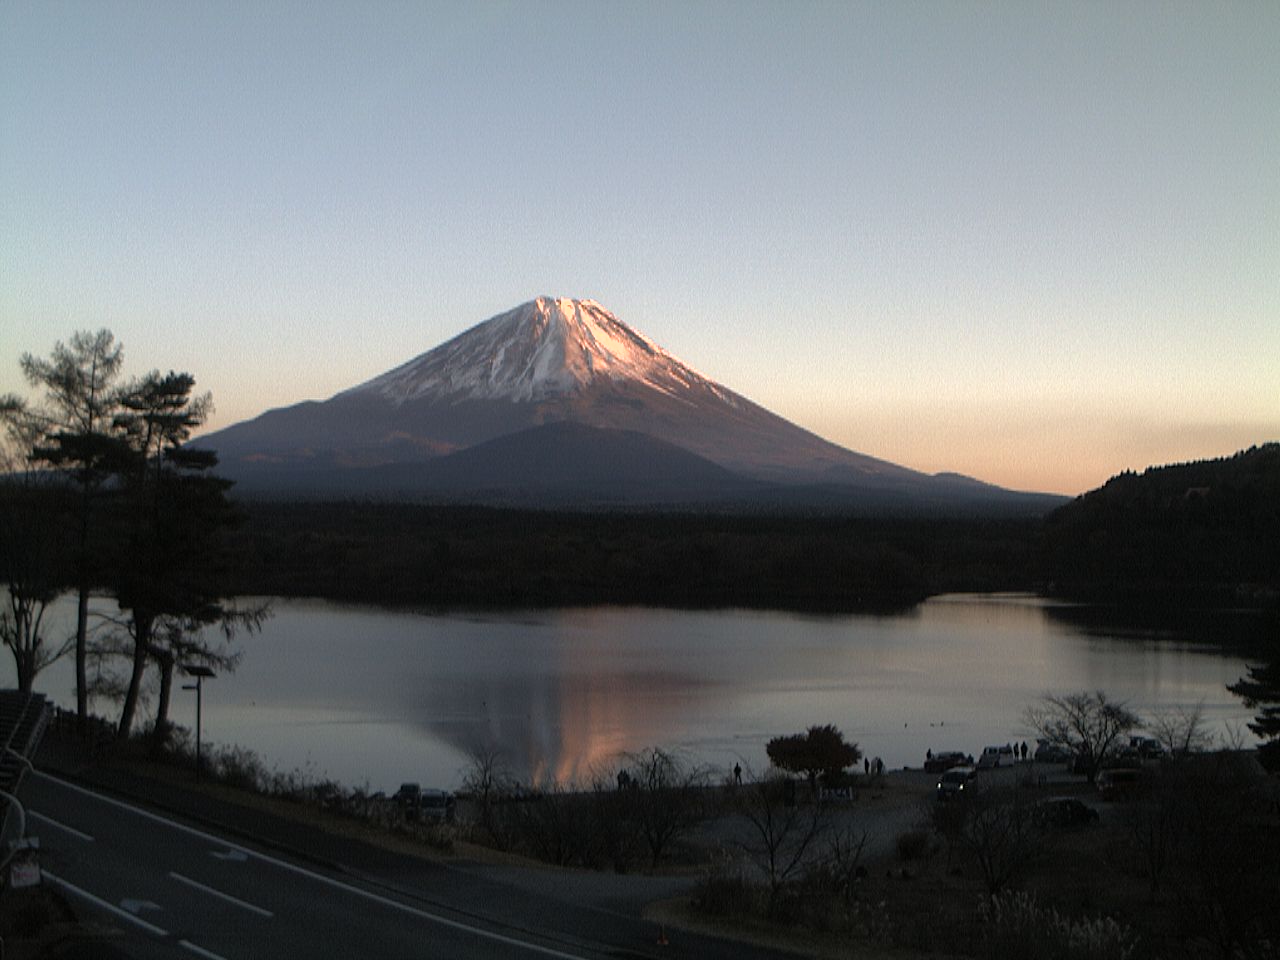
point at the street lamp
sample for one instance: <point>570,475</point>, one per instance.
<point>200,672</point>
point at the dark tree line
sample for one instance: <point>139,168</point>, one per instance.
<point>1173,538</point>
<point>1204,533</point>
<point>443,555</point>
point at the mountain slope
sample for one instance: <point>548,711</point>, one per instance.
<point>545,362</point>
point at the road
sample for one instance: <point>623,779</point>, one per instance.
<point>178,890</point>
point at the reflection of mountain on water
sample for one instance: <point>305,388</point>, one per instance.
<point>562,728</point>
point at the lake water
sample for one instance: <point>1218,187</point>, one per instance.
<point>371,696</point>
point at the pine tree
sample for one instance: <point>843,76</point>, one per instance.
<point>1261,688</point>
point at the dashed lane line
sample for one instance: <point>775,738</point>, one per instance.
<point>200,951</point>
<point>79,834</point>
<point>243,904</point>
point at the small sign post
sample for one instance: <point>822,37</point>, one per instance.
<point>24,867</point>
<point>200,672</point>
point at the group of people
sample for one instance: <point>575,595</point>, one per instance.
<point>1018,750</point>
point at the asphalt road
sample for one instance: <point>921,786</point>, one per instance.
<point>174,889</point>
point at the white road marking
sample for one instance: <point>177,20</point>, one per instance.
<point>137,906</point>
<point>111,908</point>
<point>221,896</point>
<point>232,856</point>
<point>318,877</point>
<point>59,826</point>
<point>200,951</point>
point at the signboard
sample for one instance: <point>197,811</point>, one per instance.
<point>24,868</point>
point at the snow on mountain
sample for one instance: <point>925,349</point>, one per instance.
<point>543,349</point>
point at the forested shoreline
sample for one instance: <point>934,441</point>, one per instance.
<point>1195,536</point>
<point>455,556</point>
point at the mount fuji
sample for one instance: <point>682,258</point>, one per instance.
<point>558,401</point>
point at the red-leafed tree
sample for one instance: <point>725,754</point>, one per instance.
<point>819,751</point>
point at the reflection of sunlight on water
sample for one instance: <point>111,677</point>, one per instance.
<point>562,726</point>
<point>363,694</point>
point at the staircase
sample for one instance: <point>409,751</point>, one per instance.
<point>23,719</point>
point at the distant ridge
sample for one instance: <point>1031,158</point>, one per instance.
<point>472,420</point>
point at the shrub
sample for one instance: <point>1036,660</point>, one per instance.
<point>727,893</point>
<point>913,845</point>
<point>1016,927</point>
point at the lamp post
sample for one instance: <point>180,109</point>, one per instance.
<point>200,672</point>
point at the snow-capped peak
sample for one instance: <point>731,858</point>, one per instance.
<point>545,348</point>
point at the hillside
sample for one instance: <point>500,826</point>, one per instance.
<point>1203,533</point>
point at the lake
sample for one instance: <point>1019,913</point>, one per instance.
<point>374,697</point>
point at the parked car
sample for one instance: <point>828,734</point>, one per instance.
<point>1116,783</point>
<point>1047,752</point>
<point>1148,748</point>
<point>1063,812</point>
<point>1081,763</point>
<point>408,798</point>
<point>437,805</point>
<point>954,781</point>
<point>415,803</point>
<point>941,762</point>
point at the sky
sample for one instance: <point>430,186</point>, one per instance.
<point>1035,243</point>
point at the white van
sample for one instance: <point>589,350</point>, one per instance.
<point>991,757</point>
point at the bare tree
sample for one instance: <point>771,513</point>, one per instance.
<point>556,824</point>
<point>995,827</point>
<point>843,860</point>
<point>33,545</point>
<point>1182,730</point>
<point>783,832</point>
<point>1088,724</point>
<point>491,785</point>
<point>666,800</point>
<point>1153,821</point>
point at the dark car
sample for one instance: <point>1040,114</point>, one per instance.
<point>1047,752</point>
<point>941,762</point>
<point>954,781</point>
<point>437,805</point>
<point>416,803</point>
<point>1063,812</point>
<point>408,800</point>
<point>1148,748</point>
<point>1119,783</point>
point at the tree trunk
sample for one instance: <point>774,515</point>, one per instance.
<point>19,642</point>
<point>25,664</point>
<point>141,644</point>
<point>166,660</point>
<point>82,646</point>
<point>82,611</point>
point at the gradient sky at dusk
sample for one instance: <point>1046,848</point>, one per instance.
<point>1034,243</point>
